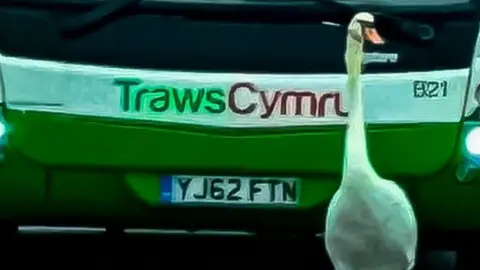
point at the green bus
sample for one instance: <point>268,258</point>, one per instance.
<point>227,116</point>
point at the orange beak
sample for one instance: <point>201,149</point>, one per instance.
<point>372,35</point>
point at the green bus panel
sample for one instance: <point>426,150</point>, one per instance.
<point>77,166</point>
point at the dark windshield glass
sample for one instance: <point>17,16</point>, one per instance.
<point>404,2</point>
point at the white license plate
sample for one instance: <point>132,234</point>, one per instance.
<point>228,190</point>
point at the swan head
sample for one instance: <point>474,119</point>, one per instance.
<point>361,28</point>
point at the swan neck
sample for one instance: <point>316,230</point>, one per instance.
<point>356,117</point>
<point>356,161</point>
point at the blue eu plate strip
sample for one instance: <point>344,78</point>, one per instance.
<point>166,195</point>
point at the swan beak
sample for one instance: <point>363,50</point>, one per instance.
<point>372,35</point>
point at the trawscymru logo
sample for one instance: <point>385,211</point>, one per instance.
<point>243,98</point>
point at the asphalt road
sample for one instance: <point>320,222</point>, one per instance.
<point>173,251</point>
<point>149,252</point>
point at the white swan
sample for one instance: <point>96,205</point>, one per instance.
<point>370,222</point>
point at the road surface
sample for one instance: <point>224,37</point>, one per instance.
<point>173,250</point>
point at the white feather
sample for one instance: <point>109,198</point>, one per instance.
<point>370,222</point>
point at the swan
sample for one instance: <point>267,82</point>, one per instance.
<point>370,222</point>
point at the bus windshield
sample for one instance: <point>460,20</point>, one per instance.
<point>404,2</point>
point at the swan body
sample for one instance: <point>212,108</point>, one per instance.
<point>370,223</point>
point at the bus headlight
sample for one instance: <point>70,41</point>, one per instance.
<point>3,130</point>
<point>472,141</point>
<point>469,167</point>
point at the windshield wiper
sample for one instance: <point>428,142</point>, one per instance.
<point>403,30</point>
<point>95,17</point>
<point>389,26</point>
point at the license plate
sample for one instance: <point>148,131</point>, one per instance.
<point>228,190</point>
